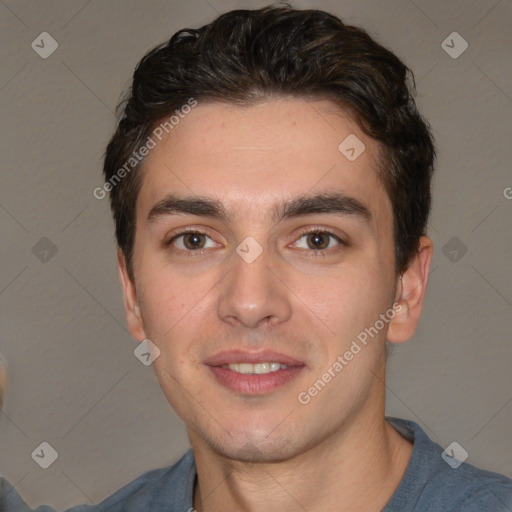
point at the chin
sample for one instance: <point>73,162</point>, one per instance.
<point>253,448</point>
<point>251,453</point>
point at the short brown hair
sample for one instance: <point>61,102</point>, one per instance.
<point>245,56</point>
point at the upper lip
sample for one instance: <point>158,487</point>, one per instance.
<point>242,356</point>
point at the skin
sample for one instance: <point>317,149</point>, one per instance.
<point>337,452</point>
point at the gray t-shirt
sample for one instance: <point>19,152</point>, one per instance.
<point>429,484</point>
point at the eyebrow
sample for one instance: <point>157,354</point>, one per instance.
<point>322,203</point>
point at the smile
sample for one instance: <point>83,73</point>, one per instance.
<point>253,373</point>
<point>259,368</point>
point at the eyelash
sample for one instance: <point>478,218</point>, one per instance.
<point>324,252</point>
<point>313,253</point>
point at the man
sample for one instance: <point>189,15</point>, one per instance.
<point>270,183</point>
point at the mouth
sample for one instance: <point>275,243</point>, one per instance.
<point>258,368</point>
<point>253,373</point>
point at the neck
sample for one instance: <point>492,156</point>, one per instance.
<point>357,468</point>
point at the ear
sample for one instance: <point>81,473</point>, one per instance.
<point>411,289</point>
<point>131,305</point>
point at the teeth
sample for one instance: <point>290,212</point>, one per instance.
<point>259,368</point>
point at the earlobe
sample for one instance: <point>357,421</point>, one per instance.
<point>131,304</point>
<point>411,290</point>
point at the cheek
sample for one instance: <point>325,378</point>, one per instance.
<point>175,313</point>
<point>164,300</point>
<point>349,300</point>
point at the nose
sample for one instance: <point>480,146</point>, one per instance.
<point>254,294</point>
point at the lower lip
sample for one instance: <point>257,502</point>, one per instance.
<point>254,384</point>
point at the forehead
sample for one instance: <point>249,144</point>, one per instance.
<point>250,158</point>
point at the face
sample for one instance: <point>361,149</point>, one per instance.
<point>279,254</point>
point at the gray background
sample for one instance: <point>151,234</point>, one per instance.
<point>74,381</point>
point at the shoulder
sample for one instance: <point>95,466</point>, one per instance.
<point>169,488</point>
<point>431,484</point>
<point>11,501</point>
<point>160,489</point>
<point>469,489</point>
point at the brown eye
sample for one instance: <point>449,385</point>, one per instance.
<point>318,240</point>
<point>194,240</point>
<point>190,241</point>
